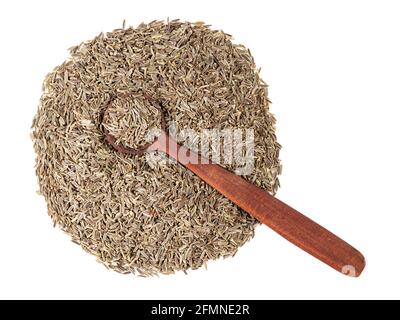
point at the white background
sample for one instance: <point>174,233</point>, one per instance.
<point>334,73</point>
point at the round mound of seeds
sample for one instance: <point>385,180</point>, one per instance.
<point>133,215</point>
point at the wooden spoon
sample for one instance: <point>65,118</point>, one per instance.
<point>288,222</point>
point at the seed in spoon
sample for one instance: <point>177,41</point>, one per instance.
<point>129,122</point>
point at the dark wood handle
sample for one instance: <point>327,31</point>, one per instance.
<point>288,222</point>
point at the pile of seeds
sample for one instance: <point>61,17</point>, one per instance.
<point>132,216</point>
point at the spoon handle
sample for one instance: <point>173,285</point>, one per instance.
<point>286,221</point>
